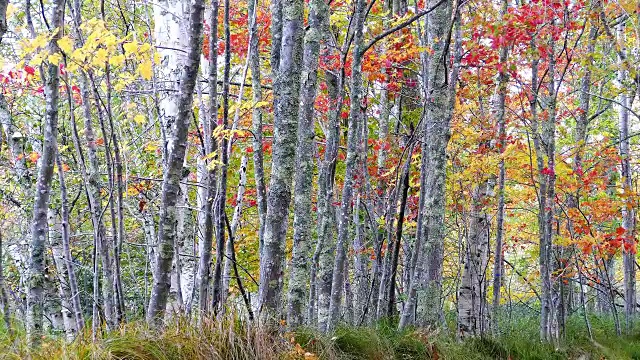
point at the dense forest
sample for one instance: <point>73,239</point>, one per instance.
<point>328,170</point>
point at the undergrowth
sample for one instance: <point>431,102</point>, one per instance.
<point>233,339</point>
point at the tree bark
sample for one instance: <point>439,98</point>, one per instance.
<point>427,278</point>
<point>6,312</point>
<point>256,123</point>
<point>355,119</point>
<point>471,295</point>
<point>204,268</point>
<point>55,241</point>
<point>171,179</point>
<point>321,265</point>
<point>39,226</point>
<point>499,114</point>
<point>302,217</point>
<point>221,195</point>
<point>628,211</point>
<point>287,83</point>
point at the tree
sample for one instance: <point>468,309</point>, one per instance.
<point>287,85</point>
<point>302,221</point>
<point>39,226</point>
<point>170,183</point>
<point>426,280</point>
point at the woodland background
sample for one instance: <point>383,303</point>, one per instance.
<point>440,172</point>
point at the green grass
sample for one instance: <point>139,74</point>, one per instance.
<point>233,339</point>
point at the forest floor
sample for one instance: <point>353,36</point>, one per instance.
<point>232,340</point>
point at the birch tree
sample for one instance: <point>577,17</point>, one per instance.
<point>426,281</point>
<point>171,180</point>
<point>39,226</point>
<point>287,83</point>
<point>302,221</point>
<point>628,211</point>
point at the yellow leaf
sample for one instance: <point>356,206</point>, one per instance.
<point>55,58</point>
<point>116,60</point>
<point>110,40</point>
<point>139,119</point>
<point>78,55</point>
<point>37,60</point>
<point>145,70</point>
<point>144,47</point>
<point>65,44</point>
<point>11,9</point>
<point>130,47</point>
<point>260,104</point>
<point>100,57</point>
<point>39,41</point>
<point>119,85</point>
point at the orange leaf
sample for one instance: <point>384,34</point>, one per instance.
<point>34,156</point>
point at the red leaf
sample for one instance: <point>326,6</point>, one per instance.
<point>29,70</point>
<point>547,171</point>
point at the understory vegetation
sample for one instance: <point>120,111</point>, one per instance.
<point>235,339</point>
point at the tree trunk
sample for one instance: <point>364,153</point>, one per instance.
<point>92,179</point>
<point>353,134</point>
<point>302,220</point>
<point>171,179</point>
<point>321,265</point>
<point>221,196</point>
<point>427,278</point>
<point>499,114</point>
<point>55,241</point>
<point>43,189</point>
<point>287,83</point>
<point>256,122</point>
<point>544,142</point>
<point>76,308</point>
<point>471,296</point>
<point>391,292</point>
<point>4,298</point>
<point>628,211</point>
<point>204,268</point>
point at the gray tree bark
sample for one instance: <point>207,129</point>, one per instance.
<point>353,134</point>
<point>221,195</point>
<point>544,143</point>
<point>287,83</point>
<point>39,224</point>
<point>171,179</point>
<point>302,217</point>
<point>92,180</point>
<point>204,268</point>
<point>322,262</point>
<point>64,291</point>
<point>471,295</point>
<point>256,123</point>
<point>76,308</point>
<point>628,211</point>
<point>499,114</point>
<point>4,298</point>
<point>426,281</point>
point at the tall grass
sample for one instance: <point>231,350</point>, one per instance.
<point>235,339</point>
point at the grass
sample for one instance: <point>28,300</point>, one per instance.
<point>233,339</point>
